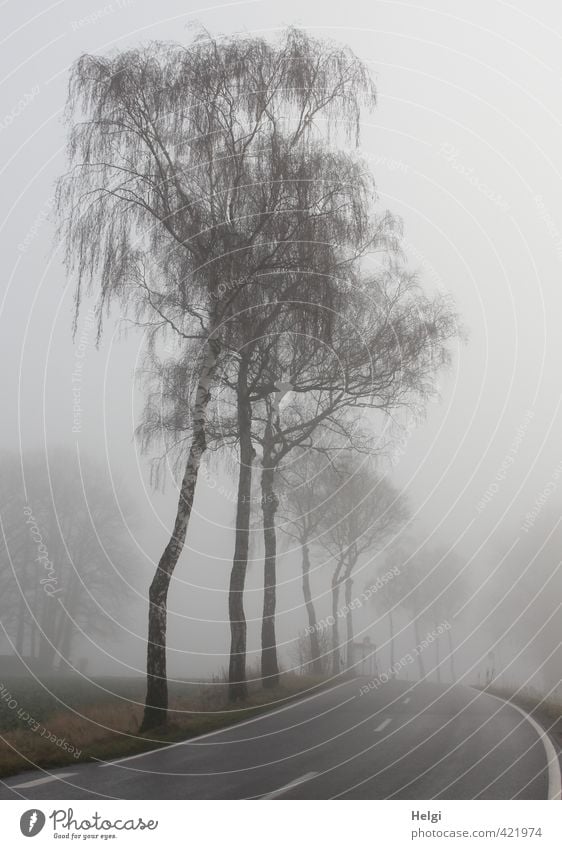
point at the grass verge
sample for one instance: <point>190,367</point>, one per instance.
<point>105,726</point>
<point>547,712</point>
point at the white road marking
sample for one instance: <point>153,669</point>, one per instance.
<point>290,785</point>
<point>554,778</point>
<point>384,723</point>
<point>406,700</point>
<point>37,781</point>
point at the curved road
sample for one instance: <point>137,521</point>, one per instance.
<point>401,741</point>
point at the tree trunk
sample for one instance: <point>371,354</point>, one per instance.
<point>34,640</point>
<point>47,648</point>
<point>46,616</point>
<point>65,644</point>
<point>156,704</point>
<point>269,663</point>
<point>451,654</point>
<point>311,612</point>
<point>421,666</point>
<point>391,637</point>
<point>437,659</point>
<point>350,664</point>
<point>237,687</point>
<point>65,627</point>
<point>21,623</point>
<point>38,598</point>
<point>335,623</point>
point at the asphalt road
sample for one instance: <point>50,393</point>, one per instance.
<point>401,741</point>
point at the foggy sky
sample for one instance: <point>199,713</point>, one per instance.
<point>465,145</point>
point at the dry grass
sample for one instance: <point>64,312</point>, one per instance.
<point>110,730</point>
<point>531,700</point>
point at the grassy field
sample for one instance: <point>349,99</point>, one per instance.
<point>63,720</point>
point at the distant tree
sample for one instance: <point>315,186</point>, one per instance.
<point>443,590</point>
<point>301,652</point>
<point>65,557</point>
<point>406,590</point>
<point>431,587</point>
<point>519,613</point>
<point>364,511</point>
<point>427,585</point>
<point>384,599</point>
<point>301,514</point>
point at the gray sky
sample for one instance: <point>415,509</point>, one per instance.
<point>466,146</point>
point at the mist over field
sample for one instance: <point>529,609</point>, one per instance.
<point>379,503</point>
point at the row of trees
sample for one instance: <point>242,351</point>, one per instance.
<point>343,513</point>
<point>343,509</point>
<point>428,586</point>
<point>213,194</point>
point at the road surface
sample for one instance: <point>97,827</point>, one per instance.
<point>400,741</point>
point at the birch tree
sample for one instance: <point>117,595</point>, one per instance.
<point>381,353</point>
<point>164,142</point>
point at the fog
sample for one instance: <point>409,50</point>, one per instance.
<point>465,146</point>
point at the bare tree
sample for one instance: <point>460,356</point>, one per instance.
<point>381,353</point>
<point>384,599</point>
<point>301,653</point>
<point>165,142</point>
<point>442,590</point>
<point>392,584</point>
<point>408,589</point>
<point>364,511</point>
<point>305,300</point>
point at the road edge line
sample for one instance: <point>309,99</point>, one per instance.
<point>230,727</point>
<point>35,782</point>
<point>552,759</point>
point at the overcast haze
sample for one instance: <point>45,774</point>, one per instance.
<point>465,146</point>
